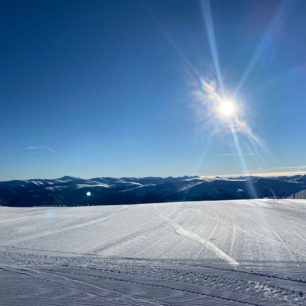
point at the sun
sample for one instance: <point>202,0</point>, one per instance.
<point>226,109</point>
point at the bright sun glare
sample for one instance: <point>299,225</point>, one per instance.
<point>226,109</point>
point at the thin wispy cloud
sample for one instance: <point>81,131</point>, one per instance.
<point>262,173</point>
<point>280,171</point>
<point>236,155</point>
<point>47,148</point>
<point>292,167</point>
<point>282,168</point>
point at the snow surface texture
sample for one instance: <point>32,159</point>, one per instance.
<point>249,252</point>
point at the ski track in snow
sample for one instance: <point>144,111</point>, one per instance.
<point>181,231</point>
<point>190,253</point>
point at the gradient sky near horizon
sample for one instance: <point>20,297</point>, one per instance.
<point>104,88</point>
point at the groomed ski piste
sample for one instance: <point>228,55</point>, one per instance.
<point>242,252</point>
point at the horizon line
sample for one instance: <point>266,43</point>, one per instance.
<point>251,174</point>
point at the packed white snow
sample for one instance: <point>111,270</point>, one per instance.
<point>190,253</point>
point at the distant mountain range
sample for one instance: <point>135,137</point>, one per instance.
<point>72,191</point>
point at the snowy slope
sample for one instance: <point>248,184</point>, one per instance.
<point>190,253</point>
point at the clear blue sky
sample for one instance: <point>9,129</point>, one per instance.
<point>103,88</point>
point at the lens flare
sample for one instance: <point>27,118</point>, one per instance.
<point>223,110</point>
<point>219,110</point>
<point>226,109</point>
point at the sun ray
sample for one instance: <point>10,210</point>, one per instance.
<point>245,170</point>
<point>206,10</point>
<point>166,34</point>
<point>209,140</point>
<point>273,29</point>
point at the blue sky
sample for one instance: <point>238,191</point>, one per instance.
<point>106,88</point>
